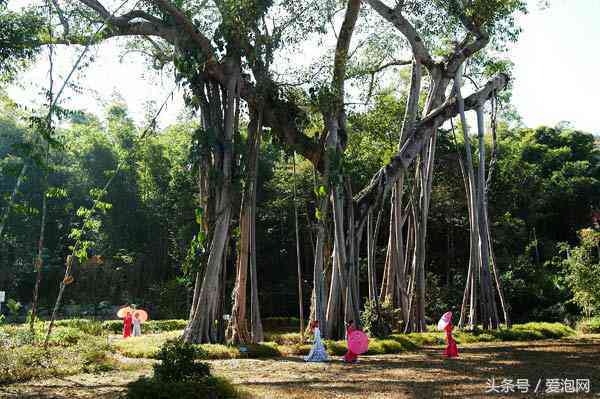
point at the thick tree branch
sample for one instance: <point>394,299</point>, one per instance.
<point>406,28</point>
<point>465,51</point>
<point>202,41</point>
<point>62,18</point>
<point>340,61</point>
<point>122,26</point>
<point>475,40</point>
<point>284,117</point>
<point>387,175</point>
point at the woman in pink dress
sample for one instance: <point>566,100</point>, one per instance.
<point>127,325</point>
<point>350,357</point>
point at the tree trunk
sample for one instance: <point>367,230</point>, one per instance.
<point>478,287</point>
<point>318,297</point>
<point>256,322</point>
<point>297,229</point>
<point>203,326</point>
<point>39,258</point>
<point>13,196</point>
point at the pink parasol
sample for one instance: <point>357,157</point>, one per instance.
<point>444,321</point>
<point>358,342</point>
<point>142,315</point>
<point>123,311</point>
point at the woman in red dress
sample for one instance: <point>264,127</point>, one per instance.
<point>127,325</point>
<point>451,349</point>
<point>350,357</point>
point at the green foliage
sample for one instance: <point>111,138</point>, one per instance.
<point>171,301</point>
<point>18,35</point>
<point>380,319</point>
<point>582,268</point>
<point>21,361</point>
<point>179,375</point>
<point>389,346</point>
<point>533,331</point>
<point>178,362</point>
<point>66,336</point>
<point>150,326</point>
<point>97,358</point>
<point>14,307</point>
<point>86,326</point>
<point>589,325</point>
<point>283,338</point>
<point>204,388</point>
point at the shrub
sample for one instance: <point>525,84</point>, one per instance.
<point>27,362</point>
<point>380,320</point>
<point>152,326</point>
<point>336,348</point>
<point>22,336</point>
<point>582,268</point>
<point>158,326</point>
<point>283,338</point>
<point>113,326</point>
<point>258,351</point>
<point>204,388</point>
<point>589,326</point>
<point>65,336</point>
<point>177,362</point>
<point>178,375</point>
<point>97,359</point>
<point>87,326</point>
<point>145,346</point>
<point>294,350</point>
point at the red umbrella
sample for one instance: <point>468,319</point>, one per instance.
<point>358,342</point>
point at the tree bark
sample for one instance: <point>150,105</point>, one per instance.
<point>298,261</point>
<point>13,196</point>
<point>203,325</point>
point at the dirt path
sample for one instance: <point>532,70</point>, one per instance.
<point>422,374</point>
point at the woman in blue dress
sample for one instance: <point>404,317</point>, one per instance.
<point>317,352</point>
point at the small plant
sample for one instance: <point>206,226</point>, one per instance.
<point>179,376</point>
<point>380,319</point>
<point>14,307</point>
<point>97,360</point>
<point>177,362</point>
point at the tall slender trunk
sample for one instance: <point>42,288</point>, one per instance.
<point>318,310</point>
<point>298,261</point>
<point>491,311</point>
<point>39,260</point>
<point>503,304</point>
<point>334,301</point>
<point>256,322</point>
<point>67,279</point>
<point>478,287</point>
<point>13,196</point>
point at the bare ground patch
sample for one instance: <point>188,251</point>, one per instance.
<point>421,374</point>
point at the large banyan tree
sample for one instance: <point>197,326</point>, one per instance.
<point>230,57</point>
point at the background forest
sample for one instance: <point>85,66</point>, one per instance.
<point>546,183</point>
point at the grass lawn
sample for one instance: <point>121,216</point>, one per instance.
<point>422,373</point>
